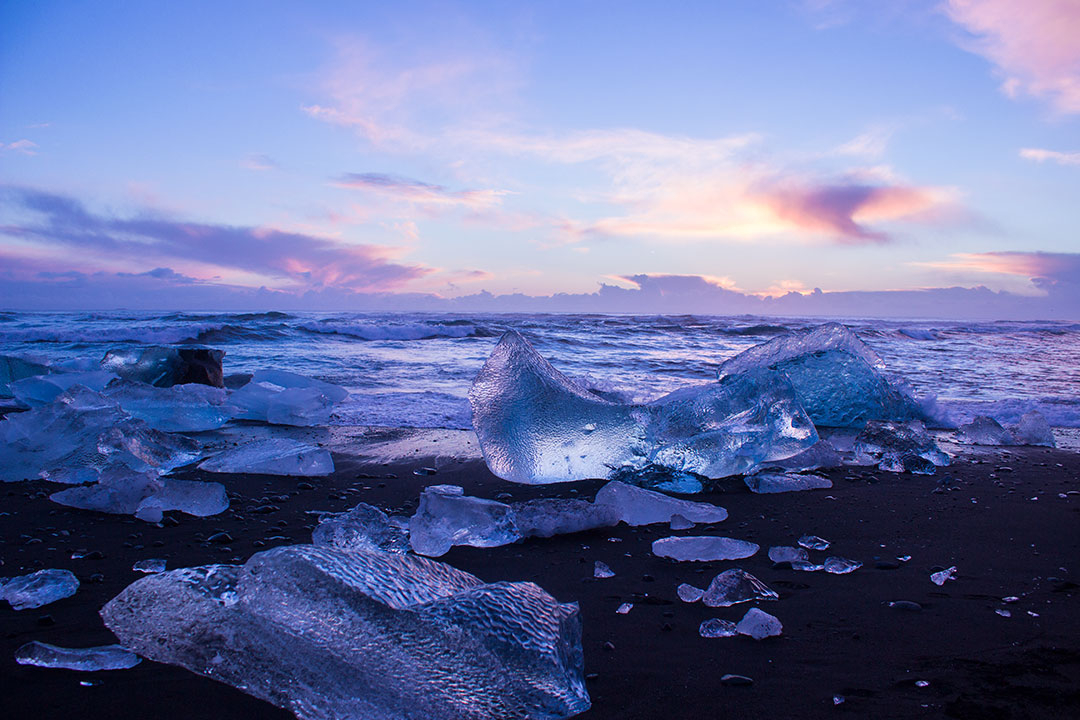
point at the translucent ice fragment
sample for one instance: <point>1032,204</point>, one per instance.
<point>43,389</point>
<point>717,628</point>
<point>838,379</point>
<point>447,517</point>
<point>329,633</point>
<point>821,454</point>
<point>120,490</point>
<point>678,522</point>
<point>638,506</point>
<point>1033,429</point>
<point>601,570</point>
<point>806,566</point>
<point>272,456</point>
<point>759,624</point>
<point>813,542</point>
<point>179,408</point>
<point>703,548</point>
<point>783,553</point>
<point>151,565</point>
<point>899,447</point>
<point>364,527</point>
<point>39,588</point>
<point>284,398</point>
<point>193,497</point>
<point>624,608</point>
<point>735,586</point>
<point>941,576</point>
<point>166,366</point>
<point>547,517</point>
<point>984,430</point>
<point>105,657</point>
<point>14,368</point>
<point>769,481</point>
<point>537,426</point>
<point>841,566</point>
<point>688,593</point>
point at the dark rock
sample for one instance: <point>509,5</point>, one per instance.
<point>736,680</point>
<point>907,605</point>
<point>220,538</point>
<point>167,366</point>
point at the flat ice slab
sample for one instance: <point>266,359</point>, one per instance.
<point>91,659</point>
<point>273,456</point>
<point>703,548</point>
<point>329,633</point>
<point>638,506</point>
<point>780,482</point>
<point>38,588</point>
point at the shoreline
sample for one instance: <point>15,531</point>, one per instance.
<point>840,638</point>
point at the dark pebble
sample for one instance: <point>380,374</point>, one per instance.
<point>905,605</point>
<point>648,578</point>
<point>168,521</point>
<point>267,509</point>
<point>45,620</point>
<point>736,680</point>
<point>887,565</point>
<point>608,646</point>
<point>221,538</point>
<point>425,471</point>
<point>305,486</point>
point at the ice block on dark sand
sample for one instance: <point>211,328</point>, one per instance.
<point>284,398</point>
<point>838,379</point>
<point>272,456</point>
<point>899,447</point>
<point>536,426</point>
<point>38,588</point>
<point>329,633</point>
<point>179,408</point>
<point>91,659</point>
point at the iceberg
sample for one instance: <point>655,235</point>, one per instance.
<point>899,447</point>
<point>837,378</point>
<point>447,517</point>
<point>272,456</point>
<point>329,633</point>
<point>364,527</point>
<point>284,398</point>
<point>735,586</point>
<point>105,657</point>
<point>74,438</point>
<point>178,408</point>
<point>167,366</point>
<point>703,548</point>
<point>637,506</point>
<point>537,426</point>
<point>38,588</point>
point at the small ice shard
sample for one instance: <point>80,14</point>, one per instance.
<point>837,378</point>
<point>44,389</point>
<point>537,426</point>
<point>39,588</point>
<point>841,566</point>
<point>735,586</point>
<point>1033,429</point>
<point>638,506</point>
<point>941,576</point>
<point>91,659</point>
<point>784,553</point>
<point>688,593</point>
<point>759,624</point>
<point>921,683</point>
<point>14,368</point>
<point>283,398</point>
<point>179,408</point>
<point>806,566</point>
<point>1003,612</point>
<point>364,527</point>
<point>601,570</point>
<point>447,517</point>
<point>838,699</point>
<point>703,548</point>
<point>897,447</point>
<point>329,633</point>
<point>78,435</point>
<point>779,482</point>
<point>624,608</point>
<point>717,628</point>
<point>167,366</point>
<point>983,430</point>
<point>678,522</point>
<point>151,565</point>
<point>272,456</point>
<point>813,542</point>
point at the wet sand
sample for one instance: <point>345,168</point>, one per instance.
<point>1007,528</point>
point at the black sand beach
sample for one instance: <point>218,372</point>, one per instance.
<point>1011,529</point>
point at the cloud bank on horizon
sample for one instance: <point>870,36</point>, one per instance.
<point>920,159</point>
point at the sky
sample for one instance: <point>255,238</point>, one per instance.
<point>916,157</point>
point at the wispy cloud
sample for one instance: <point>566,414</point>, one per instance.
<point>1031,265</point>
<point>1033,45</point>
<point>288,259</point>
<point>1040,155</point>
<point>23,147</point>
<point>258,162</point>
<point>419,192</point>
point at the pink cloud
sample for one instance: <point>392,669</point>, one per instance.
<point>418,192</point>
<point>1040,155</point>
<point>23,147</point>
<point>1033,44</point>
<point>1032,265</point>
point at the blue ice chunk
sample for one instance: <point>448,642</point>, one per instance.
<point>703,548</point>
<point>283,398</point>
<point>14,368</point>
<point>179,408</point>
<point>331,633</point>
<point>91,659</point>
<point>272,456</point>
<point>838,379</point>
<point>364,527</point>
<point>899,447</point>
<point>43,389</point>
<point>39,588</point>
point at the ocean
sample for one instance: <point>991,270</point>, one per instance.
<point>414,370</point>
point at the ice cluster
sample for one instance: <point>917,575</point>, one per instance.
<point>330,633</point>
<point>537,426</point>
<point>730,587</point>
